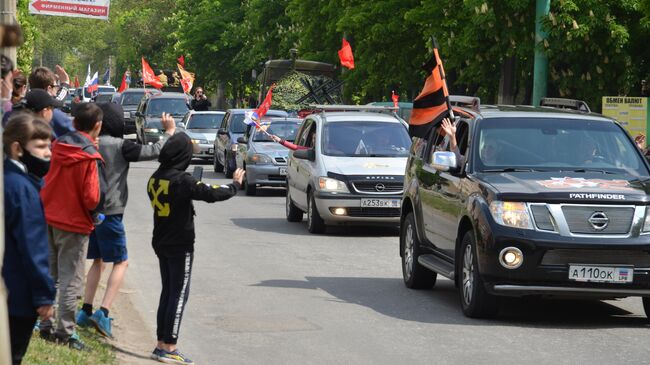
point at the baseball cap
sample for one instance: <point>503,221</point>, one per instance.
<point>39,99</point>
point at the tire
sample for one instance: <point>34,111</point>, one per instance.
<point>646,306</point>
<point>315,223</point>
<point>294,214</point>
<point>415,275</point>
<point>218,167</point>
<point>226,166</point>
<point>251,189</point>
<point>476,302</point>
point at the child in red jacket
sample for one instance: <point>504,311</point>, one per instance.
<point>71,193</point>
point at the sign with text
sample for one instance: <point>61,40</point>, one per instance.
<point>631,112</point>
<point>94,9</point>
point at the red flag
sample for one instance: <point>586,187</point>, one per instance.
<point>148,77</point>
<point>124,85</point>
<point>395,98</point>
<point>345,55</point>
<point>266,104</point>
<point>432,105</point>
<point>181,60</point>
<point>76,81</point>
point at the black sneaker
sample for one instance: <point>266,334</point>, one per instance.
<point>47,336</point>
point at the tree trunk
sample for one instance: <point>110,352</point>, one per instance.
<point>507,81</point>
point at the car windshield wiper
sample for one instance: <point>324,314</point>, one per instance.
<point>512,169</point>
<point>592,170</point>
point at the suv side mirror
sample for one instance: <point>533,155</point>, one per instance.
<point>444,161</point>
<point>242,140</point>
<point>309,154</point>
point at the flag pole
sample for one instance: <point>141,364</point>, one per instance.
<point>442,76</point>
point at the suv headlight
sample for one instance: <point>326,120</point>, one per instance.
<point>200,141</point>
<point>511,214</point>
<point>151,130</point>
<point>233,147</point>
<point>333,185</point>
<point>260,159</point>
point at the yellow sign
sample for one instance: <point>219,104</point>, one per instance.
<point>631,112</point>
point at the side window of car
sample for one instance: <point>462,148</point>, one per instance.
<point>224,122</point>
<point>306,128</point>
<point>435,142</point>
<point>462,136</point>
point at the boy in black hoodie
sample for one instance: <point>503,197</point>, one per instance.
<point>171,191</point>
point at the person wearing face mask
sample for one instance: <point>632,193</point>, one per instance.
<point>26,143</point>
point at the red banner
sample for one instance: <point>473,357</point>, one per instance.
<point>149,77</point>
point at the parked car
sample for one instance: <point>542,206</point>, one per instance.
<point>549,202</point>
<point>202,128</point>
<point>352,171</point>
<point>130,100</point>
<point>264,160</point>
<point>225,145</point>
<point>149,113</point>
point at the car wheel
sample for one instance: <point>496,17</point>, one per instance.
<point>218,167</point>
<point>251,189</point>
<point>415,275</point>
<point>315,223</point>
<point>646,306</point>
<point>475,300</point>
<point>227,170</point>
<point>294,214</point>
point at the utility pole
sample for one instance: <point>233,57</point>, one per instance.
<point>7,17</point>
<point>540,73</point>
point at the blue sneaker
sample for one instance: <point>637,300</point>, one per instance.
<point>83,320</point>
<point>155,354</point>
<point>174,357</point>
<point>102,323</point>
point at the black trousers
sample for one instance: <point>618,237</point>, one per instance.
<point>175,273</point>
<point>20,332</point>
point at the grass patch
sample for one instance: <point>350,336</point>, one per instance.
<point>98,351</point>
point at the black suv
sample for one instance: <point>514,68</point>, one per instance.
<point>535,201</point>
<point>130,100</point>
<point>148,128</point>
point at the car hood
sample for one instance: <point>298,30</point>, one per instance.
<point>365,165</point>
<point>270,148</point>
<point>209,134</point>
<point>566,187</point>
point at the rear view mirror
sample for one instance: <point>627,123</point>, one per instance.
<point>305,154</point>
<point>444,161</point>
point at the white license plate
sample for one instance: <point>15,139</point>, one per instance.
<point>381,203</point>
<point>210,151</point>
<point>601,274</point>
<point>283,170</point>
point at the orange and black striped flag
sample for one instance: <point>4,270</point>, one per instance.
<point>432,105</point>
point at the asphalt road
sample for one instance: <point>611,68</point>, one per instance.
<point>265,291</point>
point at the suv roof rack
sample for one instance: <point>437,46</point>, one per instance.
<point>562,103</point>
<point>352,108</point>
<point>471,102</point>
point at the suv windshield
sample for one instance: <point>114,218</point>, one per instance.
<point>556,145</point>
<point>175,107</point>
<point>365,138</point>
<point>284,130</point>
<point>204,121</point>
<point>132,98</point>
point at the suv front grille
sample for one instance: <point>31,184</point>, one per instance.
<point>542,216</point>
<point>378,187</point>
<point>281,160</point>
<point>595,257</point>
<point>619,219</point>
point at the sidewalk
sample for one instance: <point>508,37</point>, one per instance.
<point>133,339</point>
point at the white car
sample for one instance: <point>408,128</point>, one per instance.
<point>348,168</point>
<point>202,128</point>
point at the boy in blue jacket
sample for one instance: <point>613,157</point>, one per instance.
<point>26,142</point>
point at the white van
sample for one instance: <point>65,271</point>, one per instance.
<point>349,168</point>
